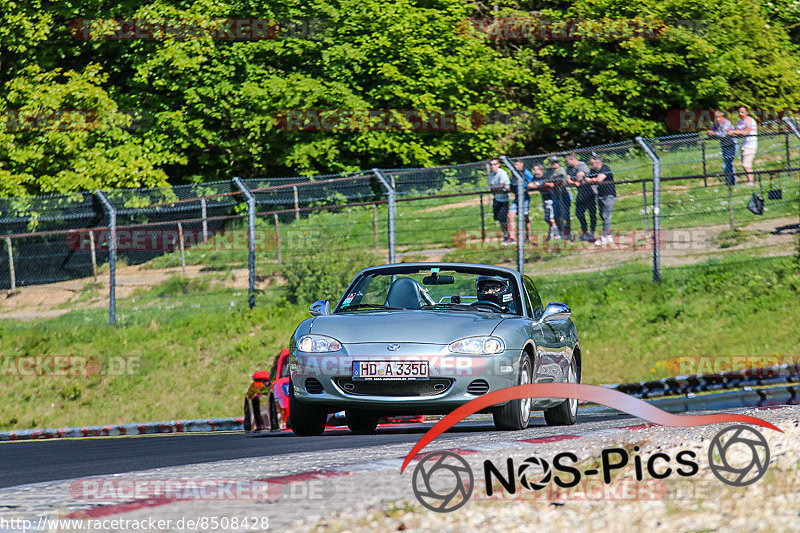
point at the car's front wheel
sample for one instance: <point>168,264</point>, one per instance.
<point>516,413</point>
<point>307,420</point>
<point>361,422</point>
<point>566,412</point>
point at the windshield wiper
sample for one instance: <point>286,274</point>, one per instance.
<point>369,306</point>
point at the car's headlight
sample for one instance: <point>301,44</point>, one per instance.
<point>478,346</point>
<point>285,388</point>
<point>318,343</point>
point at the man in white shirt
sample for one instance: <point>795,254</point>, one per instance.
<point>747,127</point>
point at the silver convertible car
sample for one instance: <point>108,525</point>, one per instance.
<point>425,338</point>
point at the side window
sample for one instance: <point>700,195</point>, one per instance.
<point>536,301</point>
<point>285,366</point>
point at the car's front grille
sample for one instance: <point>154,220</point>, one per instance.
<point>478,387</point>
<point>430,387</point>
<point>313,386</point>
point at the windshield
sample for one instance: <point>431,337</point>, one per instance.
<point>433,288</point>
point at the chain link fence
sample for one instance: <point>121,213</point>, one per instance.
<point>222,245</point>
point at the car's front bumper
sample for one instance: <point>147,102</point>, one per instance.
<point>462,376</point>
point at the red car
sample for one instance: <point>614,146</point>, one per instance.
<point>273,388</point>
<point>269,390</point>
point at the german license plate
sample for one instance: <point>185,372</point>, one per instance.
<point>397,370</point>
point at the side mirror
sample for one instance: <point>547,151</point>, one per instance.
<point>555,311</point>
<point>321,308</point>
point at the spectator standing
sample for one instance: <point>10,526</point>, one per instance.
<point>601,174</point>
<point>526,203</point>
<point>545,188</point>
<point>747,127</point>
<point>722,129</point>
<point>499,185</point>
<point>586,198</point>
<point>561,200</point>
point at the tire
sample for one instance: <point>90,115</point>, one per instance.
<point>566,412</point>
<point>361,422</point>
<point>515,414</point>
<point>307,420</point>
<point>273,414</point>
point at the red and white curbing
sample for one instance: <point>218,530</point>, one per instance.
<point>120,430</point>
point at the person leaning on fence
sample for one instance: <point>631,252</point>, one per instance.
<point>722,129</point>
<point>601,174</point>
<point>747,126</point>
<point>545,188</point>
<point>561,197</point>
<point>526,203</point>
<point>499,185</point>
<point>586,198</point>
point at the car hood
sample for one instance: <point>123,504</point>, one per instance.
<point>423,327</point>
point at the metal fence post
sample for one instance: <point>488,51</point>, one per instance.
<point>251,241</point>
<point>790,122</point>
<point>656,208</point>
<point>204,214</point>
<point>483,220</point>
<point>278,238</point>
<point>11,271</point>
<point>391,197</point>
<point>94,255</point>
<point>375,227</point>
<point>703,150</point>
<point>112,256</point>
<point>183,249</point>
<point>644,204</point>
<point>520,214</point>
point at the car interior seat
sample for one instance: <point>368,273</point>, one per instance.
<point>405,292</point>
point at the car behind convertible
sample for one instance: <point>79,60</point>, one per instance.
<point>425,338</point>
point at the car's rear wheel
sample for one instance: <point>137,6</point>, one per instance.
<point>361,422</point>
<point>516,413</point>
<point>565,413</point>
<point>307,420</point>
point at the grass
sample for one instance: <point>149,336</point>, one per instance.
<point>195,343</point>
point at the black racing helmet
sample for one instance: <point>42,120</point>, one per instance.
<point>494,289</point>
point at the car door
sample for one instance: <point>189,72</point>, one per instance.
<point>548,365</point>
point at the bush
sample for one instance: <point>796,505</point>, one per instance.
<point>313,275</point>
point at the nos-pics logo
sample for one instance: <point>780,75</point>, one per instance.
<point>443,481</point>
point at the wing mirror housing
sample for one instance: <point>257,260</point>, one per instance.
<point>555,311</point>
<point>320,308</point>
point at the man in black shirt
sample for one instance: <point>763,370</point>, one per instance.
<point>600,174</point>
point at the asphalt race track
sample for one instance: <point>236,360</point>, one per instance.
<point>33,461</point>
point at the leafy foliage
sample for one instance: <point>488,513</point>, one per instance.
<point>208,109</point>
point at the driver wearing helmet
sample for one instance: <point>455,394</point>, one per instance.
<point>494,290</point>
